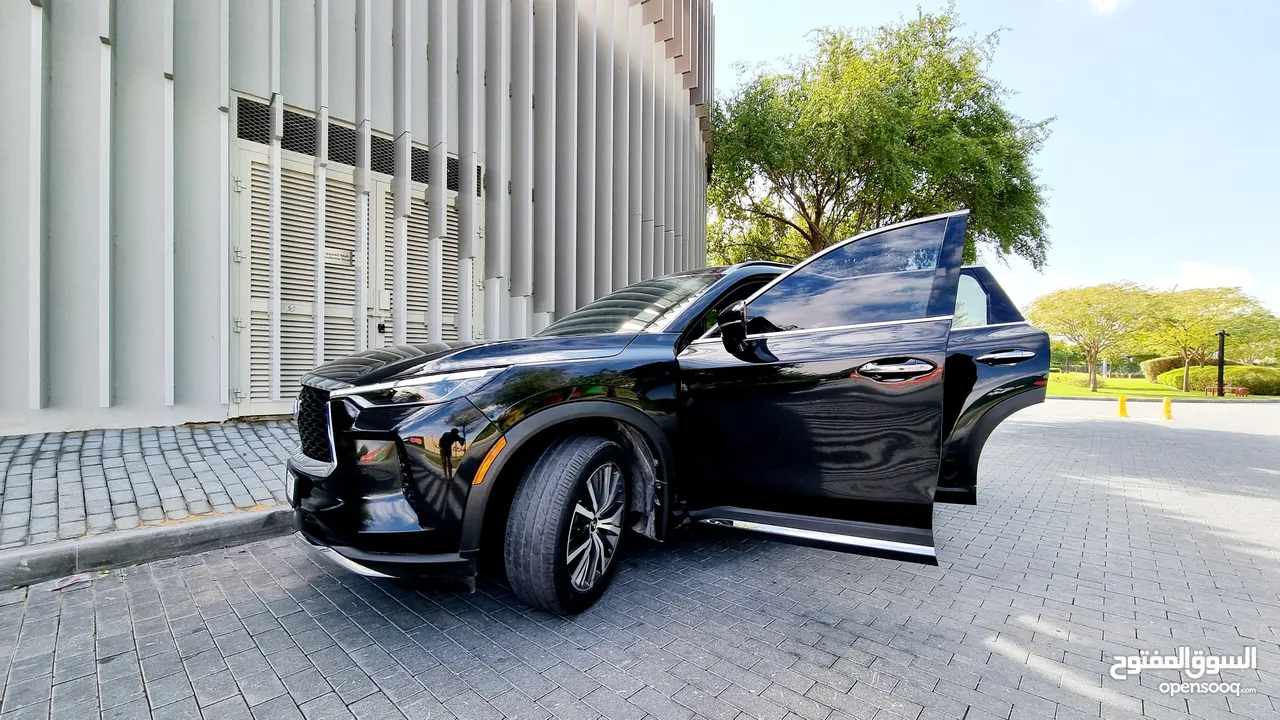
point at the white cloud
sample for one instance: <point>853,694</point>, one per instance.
<point>1192,274</point>
<point>1102,7</point>
<point>1105,7</point>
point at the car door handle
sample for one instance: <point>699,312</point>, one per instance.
<point>898,371</point>
<point>1005,357</point>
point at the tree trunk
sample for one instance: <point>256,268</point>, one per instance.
<point>1186,373</point>
<point>1093,373</point>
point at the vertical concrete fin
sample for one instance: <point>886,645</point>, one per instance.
<point>104,206</point>
<point>585,261</point>
<point>619,54</point>
<point>438,74</point>
<point>170,309</point>
<point>603,267</point>
<point>321,174</point>
<point>401,82</point>
<point>545,196</point>
<point>566,132</point>
<point>364,91</point>
<point>521,165</point>
<point>469,89</point>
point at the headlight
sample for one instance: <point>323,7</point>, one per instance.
<point>423,390</point>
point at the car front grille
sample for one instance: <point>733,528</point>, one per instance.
<point>313,423</point>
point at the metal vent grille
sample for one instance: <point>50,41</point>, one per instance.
<point>451,173</point>
<point>253,121</point>
<point>382,155</point>
<point>421,165</point>
<point>299,133</point>
<point>313,423</point>
<point>342,144</point>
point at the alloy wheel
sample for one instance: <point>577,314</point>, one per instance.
<point>595,527</point>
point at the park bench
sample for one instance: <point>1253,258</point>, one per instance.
<point>1226,390</point>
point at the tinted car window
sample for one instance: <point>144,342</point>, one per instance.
<point>880,278</point>
<point>647,306</point>
<point>971,303</point>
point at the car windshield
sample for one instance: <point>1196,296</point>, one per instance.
<point>648,306</point>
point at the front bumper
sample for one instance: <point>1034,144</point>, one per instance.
<point>444,567</point>
<point>390,503</point>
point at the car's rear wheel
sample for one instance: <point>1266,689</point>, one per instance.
<point>564,532</point>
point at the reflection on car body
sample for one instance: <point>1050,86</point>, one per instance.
<point>832,403</point>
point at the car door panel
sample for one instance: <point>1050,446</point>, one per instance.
<point>812,435</point>
<point>829,412</point>
<point>993,369</point>
<point>979,396</point>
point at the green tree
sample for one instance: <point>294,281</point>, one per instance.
<point>1185,322</point>
<point>1098,321</point>
<point>1258,341</point>
<point>867,129</point>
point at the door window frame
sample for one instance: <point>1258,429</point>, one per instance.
<point>870,233</point>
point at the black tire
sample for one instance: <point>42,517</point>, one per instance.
<point>543,516</point>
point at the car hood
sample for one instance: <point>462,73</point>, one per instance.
<point>397,362</point>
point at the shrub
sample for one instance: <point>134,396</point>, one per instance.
<point>1078,379</point>
<point>1155,367</point>
<point>1259,380</point>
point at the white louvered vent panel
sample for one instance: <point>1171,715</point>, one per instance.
<point>340,242</point>
<point>416,332</point>
<point>259,356</point>
<point>451,263</point>
<point>419,236</point>
<point>297,235</point>
<point>388,244</point>
<point>417,270</point>
<point>259,231</point>
<point>339,337</point>
<point>296,349</point>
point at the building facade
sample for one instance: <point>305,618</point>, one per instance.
<point>200,200</point>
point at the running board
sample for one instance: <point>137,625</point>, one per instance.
<point>891,541</point>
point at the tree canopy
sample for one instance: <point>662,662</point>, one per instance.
<point>1122,319</point>
<point>1099,321</point>
<point>1185,322</point>
<point>867,129</point>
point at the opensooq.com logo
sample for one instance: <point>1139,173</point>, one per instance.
<point>1195,663</point>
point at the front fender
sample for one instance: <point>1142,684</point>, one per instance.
<point>530,426</point>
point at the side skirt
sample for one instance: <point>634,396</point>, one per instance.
<point>956,495</point>
<point>889,541</point>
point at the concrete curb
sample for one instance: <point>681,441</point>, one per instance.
<point>31,565</point>
<point>1112,399</point>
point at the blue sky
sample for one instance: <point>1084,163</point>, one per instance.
<point>1165,154</point>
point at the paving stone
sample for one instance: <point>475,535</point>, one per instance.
<point>1091,538</point>
<point>94,485</point>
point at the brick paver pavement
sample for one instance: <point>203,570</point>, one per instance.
<point>56,486</point>
<point>1093,538</point>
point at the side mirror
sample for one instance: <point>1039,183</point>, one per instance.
<point>733,327</point>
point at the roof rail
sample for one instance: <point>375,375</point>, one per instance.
<point>748,263</point>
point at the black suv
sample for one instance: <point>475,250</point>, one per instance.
<point>832,402</point>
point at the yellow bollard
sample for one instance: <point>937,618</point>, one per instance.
<point>1168,408</point>
<point>1124,408</point>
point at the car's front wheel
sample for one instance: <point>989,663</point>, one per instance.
<point>564,532</point>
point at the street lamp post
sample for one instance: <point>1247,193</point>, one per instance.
<point>1222,358</point>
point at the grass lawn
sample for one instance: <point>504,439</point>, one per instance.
<point>1129,387</point>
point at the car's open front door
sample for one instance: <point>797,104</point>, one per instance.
<point>823,423</point>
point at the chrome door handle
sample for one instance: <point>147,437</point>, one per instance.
<point>907,368</point>
<point>1005,357</point>
<point>896,372</point>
